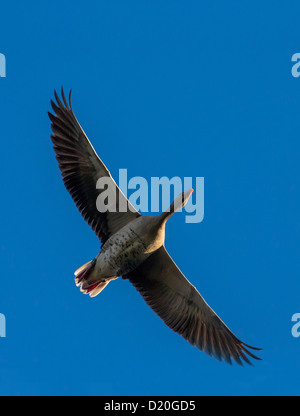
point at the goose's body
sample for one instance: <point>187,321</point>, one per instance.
<point>123,252</point>
<point>133,245</point>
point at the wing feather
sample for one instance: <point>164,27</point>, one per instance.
<point>81,168</point>
<point>167,291</point>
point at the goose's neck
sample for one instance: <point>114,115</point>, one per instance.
<point>167,214</point>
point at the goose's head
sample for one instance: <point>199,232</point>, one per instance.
<point>181,200</point>
<point>178,204</point>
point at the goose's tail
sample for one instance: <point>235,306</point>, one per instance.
<point>82,275</point>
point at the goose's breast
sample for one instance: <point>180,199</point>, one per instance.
<point>122,252</point>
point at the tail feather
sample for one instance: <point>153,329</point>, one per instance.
<point>83,267</point>
<point>96,289</point>
<point>82,275</point>
<point>84,272</point>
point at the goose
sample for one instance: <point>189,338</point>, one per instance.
<point>133,245</point>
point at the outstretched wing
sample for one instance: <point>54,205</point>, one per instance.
<point>167,291</point>
<point>81,168</point>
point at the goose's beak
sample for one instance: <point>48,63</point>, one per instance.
<point>187,195</point>
<point>179,203</point>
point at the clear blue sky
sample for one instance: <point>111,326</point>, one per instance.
<point>162,89</point>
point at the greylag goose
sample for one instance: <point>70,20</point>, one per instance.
<point>133,245</point>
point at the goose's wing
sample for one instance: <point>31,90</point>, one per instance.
<point>166,290</point>
<point>81,168</point>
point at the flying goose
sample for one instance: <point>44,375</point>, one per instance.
<point>133,245</point>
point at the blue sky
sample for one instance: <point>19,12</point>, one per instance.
<point>202,89</point>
